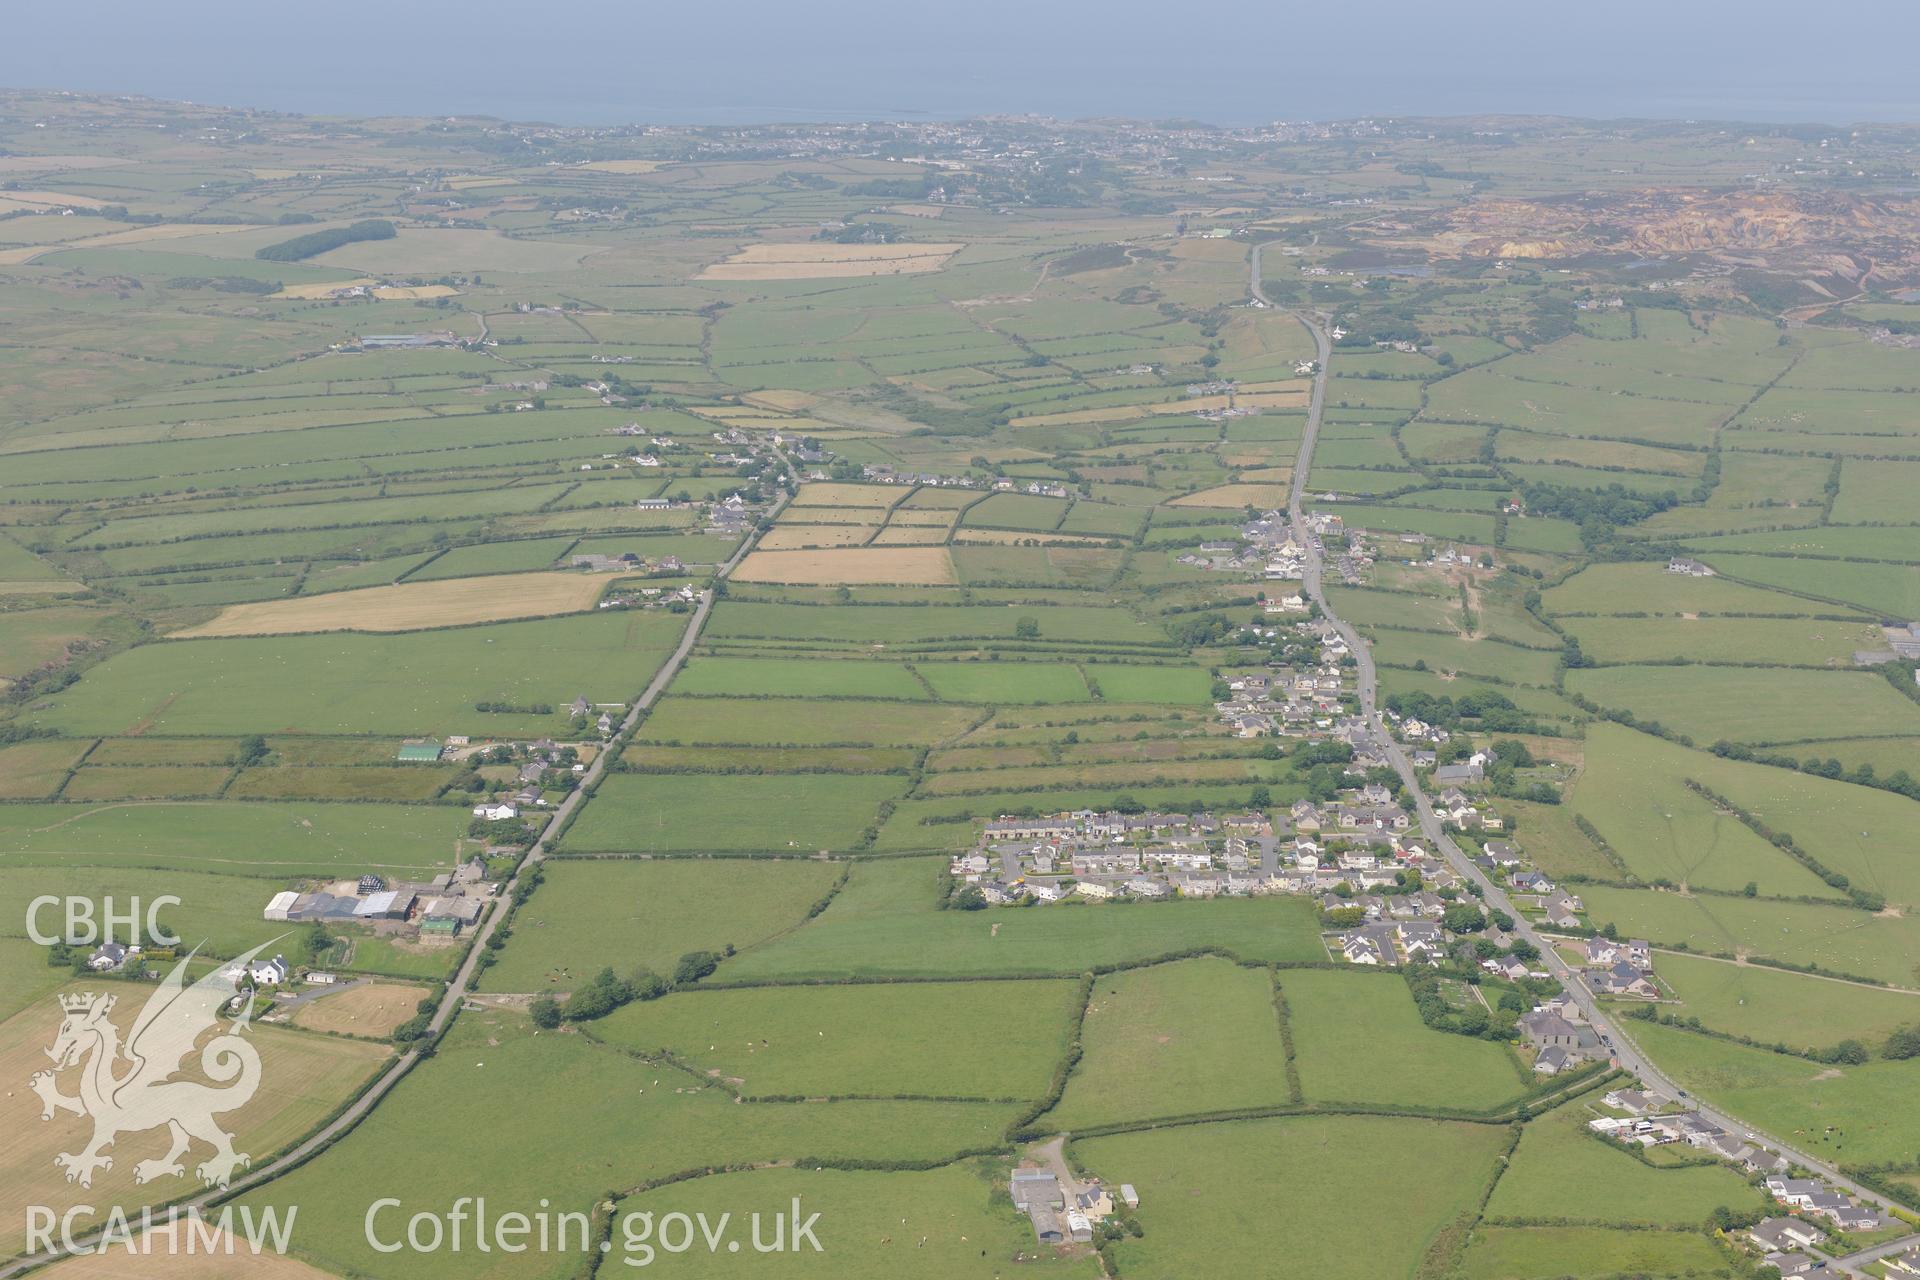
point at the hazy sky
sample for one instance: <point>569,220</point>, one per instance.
<point>1227,61</point>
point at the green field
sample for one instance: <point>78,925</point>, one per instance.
<point>1846,1115</point>
<point>982,1040</point>
<point>1227,1199</point>
<point>885,924</point>
<point>674,813</point>
<point>1750,704</point>
<point>951,1223</point>
<point>997,682</point>
<point>629,913</point>
<point>802,722</point>
<point>574,1146</point>
<point>1549,1253</point>
<point>1357,1034</point>
<point>1840,940</point>
<point>419,683</point>
<point>1194,1036</point>
<point>797,678</point>
<point>1633,790</point>
<point>1776,1007</point>
<point>253,839</point>
<point>1562,1170</point>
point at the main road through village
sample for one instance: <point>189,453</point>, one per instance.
<point>1626,1054</point>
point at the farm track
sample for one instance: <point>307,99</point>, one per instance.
<point>459,989</point>
<point>1627,1055</point>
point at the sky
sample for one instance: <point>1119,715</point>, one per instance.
<point>1224,61</point>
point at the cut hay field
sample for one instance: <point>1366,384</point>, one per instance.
<point>370,1010</point>
<point>302,1078</point>
<point>1192,1036</point>
<point>984,1040</point>
<point>849,566</point>
<point>408,606</point>
<point>1231,1198</point>
<point>589,914</point>
<point>816,261</point>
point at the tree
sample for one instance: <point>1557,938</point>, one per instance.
<point>1027,629</point>
<point>970,898</point>
<point>694,966</point>
<point>1260,798</point>
<point>1463,917</point>
<point>252,749</point>
<point>1902,1044</point>
<point>545,1011</point>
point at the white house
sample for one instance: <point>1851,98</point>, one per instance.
<point>495,812</point>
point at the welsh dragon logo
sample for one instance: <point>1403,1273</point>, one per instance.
<point>130,1088</point>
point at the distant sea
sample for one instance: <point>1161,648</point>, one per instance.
<point>1230,62</point>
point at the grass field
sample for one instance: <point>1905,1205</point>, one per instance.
<point>1562,1170</point>
<point>575,1146</point>
<point>257,839</point>
<point>408,606</point>
<point>626,913</point>
<point>1776,1007</point>
<point>671,813</point>
<point>985,1040</point>
<point>1230,1199</point>
<point>953,1223</point>
<point>1012,682</point>
<point>1633,790</point>
<point>1196,1035</point>
<point>1548,1253</point>
<point>781,720</point>
<point>850,566</point>
<point>1840,940</point>
<point>34,770</point>
<point>1356,1035</point>
<point>1846,1115</point>
<point>885,924</point>
<point>423,683</point>
<point>798,678</point>
<point>1750,704</point>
